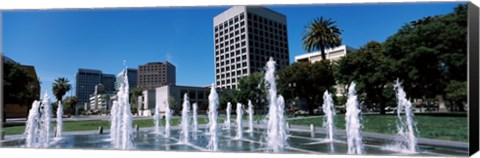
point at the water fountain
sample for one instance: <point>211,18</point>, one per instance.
<point>239,121</point>
<point>275,139</point>
<point>115,124</point>
<point>353,125</point>
<point>271,137</point>
<point>156,119</point>
<point>37,130</point>
<point>46,119</point>
<point>406,140</point>
<point>168,116</point>
<point>121,121</point>
<point>195,121</point>
<point>226,124</point>
<point>59,120</point>
<point>282,130</point>
<point>328,119</point>
<point>185,119</point>
<point>212,119</point>
<point>250,116</point>
<point>31,128</point>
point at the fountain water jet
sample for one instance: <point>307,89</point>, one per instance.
<point>156,119</point>
<point>195,121</point>
<point>328,119</point>
<point>168,116</point>
<point>114,124</point>
<point>353,126</point>
<point>250,116</point>
<point>37,128</point>
<point>239,121</point>
<point>121,121</point>
<point>59,120</point>
<point>281,118</point>
<point>406,140</point>
<point>185,119</point>
<point>226,124</point>
<point>276,139</point>
<point>212,119</point>
<point>32,129</point>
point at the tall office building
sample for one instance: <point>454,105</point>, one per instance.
<point>86,79</point>
<point>108,81</point>
<point>156,74</point>
<point>132,78</point>
<point>245,38</point>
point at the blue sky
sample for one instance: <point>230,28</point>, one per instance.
<point>58,42</point>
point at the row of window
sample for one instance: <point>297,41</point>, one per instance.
<point>237,27</point>
<point>220,42</point>
<point>266,21</point>
<point>238,72</point>
<point>231,53</point>
<point>231,21</point>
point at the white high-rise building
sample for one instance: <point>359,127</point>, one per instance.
<point>245,37</point>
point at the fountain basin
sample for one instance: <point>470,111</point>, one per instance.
<point>300,140</point>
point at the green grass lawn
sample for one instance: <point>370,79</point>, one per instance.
<point>435,127</point>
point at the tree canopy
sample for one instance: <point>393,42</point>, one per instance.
<point>311,80</point>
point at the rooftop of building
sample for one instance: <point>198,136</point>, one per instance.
<point>327,51</point>
<point>254,9</point>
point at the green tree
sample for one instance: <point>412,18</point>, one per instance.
<point>311,79</point>
<point>321,34</point>
<point>457,94</point>
<point>371,70</point>
<point>225,96</point>
<point>15,84</point>
<point>252,88</point>
<point>429,53</point>
<point>133,95</point>
<point>17,89</point>
<point>69,104</point>
<point>60,87</point>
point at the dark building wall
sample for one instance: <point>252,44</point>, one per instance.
<point>108,80</point>
<point>85,84</point>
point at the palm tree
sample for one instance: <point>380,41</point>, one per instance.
<point>60,87</point>
<point>321,34</point>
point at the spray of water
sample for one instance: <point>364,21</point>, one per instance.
<point>114,124</point>
<point>31,129</point>
<point>406,139</point>
<point>275,139</point>
<point>353,126</point>
<point>185,119</point>
<point>212,119</point>
<point>156,119</point>
<point>45,121</point>
<point>239,121</point>
<point>282,128</point>
<point>59,120</point>
<point>250,116</point>
<point>121,121</point>
<point>195,121</point>
<point>168,116</point>
<point>328,119</point>
<point>37,130</point>
<point>226,124</point>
